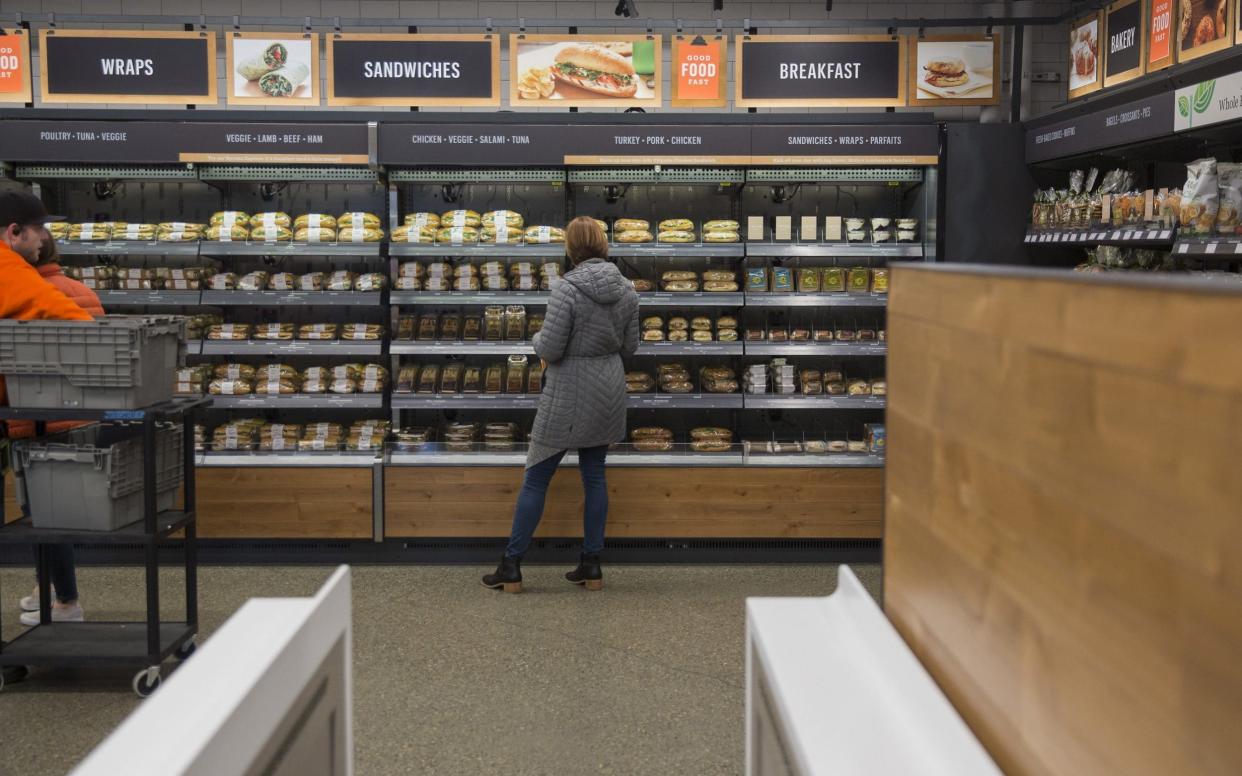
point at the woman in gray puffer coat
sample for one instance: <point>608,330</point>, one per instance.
<point>592,321</point>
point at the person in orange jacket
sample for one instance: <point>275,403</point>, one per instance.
<point>48,265</point>
<point>25,295</point>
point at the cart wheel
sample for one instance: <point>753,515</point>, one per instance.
<point>146,681</point>
<point>185,650</point>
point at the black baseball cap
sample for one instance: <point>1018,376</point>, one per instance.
<point>22,207</point>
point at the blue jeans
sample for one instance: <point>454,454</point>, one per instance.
<point>60,567</point>
<point>530,500</point>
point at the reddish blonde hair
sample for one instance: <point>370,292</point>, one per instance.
<point>584,239</point>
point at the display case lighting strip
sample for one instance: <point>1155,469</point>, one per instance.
<point>105,172</point>
<point>712,175</point>
<point>518,175</point>
<point>835,175</point>
<point>276,172</point>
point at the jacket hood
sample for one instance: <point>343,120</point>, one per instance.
<point>49,270</point>
<point>601,281</point>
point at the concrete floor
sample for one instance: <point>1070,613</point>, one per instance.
<point>451,678</point>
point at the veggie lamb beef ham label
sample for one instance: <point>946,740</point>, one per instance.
<point>821,71</point>
<point>272,68</point>
<point>579,70</point>
<point>124,66</point>
<point>413,70</point>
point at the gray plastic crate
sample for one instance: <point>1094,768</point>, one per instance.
<point>91,478</point>
<point>117,362</point>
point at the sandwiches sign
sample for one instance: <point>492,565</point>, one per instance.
<point>821,71</point>
<point>414,70</point>
<point>115,66</point>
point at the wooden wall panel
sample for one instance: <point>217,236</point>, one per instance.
<point>293,503</point>
<point>672,502</point>
<point>1063,538</point>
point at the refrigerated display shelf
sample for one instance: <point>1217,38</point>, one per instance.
<point>816,349</point>
<point>800,402</point>
<point>1221,248</point>
<point>213,248</point>
<point>831,299</point>
<point>126,248</point>
<point>555,250</point>
<point>291,348</point>
<point>690,349</point>
<point>150,298</point>
<point>1100,235</point>
<point>862,250</point>
<point>270,459</point>
<point>287,298</point>
<point>461,348</point>
<point>466,298</point>
<point>464,401</point>
<point>677,250</point>
<point>299,401</point>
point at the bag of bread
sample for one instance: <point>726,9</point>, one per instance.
<point>1200,197</point>
<point>1229,176</point>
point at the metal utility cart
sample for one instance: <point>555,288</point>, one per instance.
<point>146,644</point>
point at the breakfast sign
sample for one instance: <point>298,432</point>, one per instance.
<point>821,71</point>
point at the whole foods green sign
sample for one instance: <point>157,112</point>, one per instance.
<point>1209,102</point>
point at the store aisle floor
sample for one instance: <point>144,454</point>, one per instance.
<point>451,678</point>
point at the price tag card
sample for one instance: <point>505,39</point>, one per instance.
<point>832,228</point>
<point>1183,248</point>
<point>1209,248</point>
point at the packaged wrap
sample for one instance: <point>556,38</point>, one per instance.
<point>284,81</point>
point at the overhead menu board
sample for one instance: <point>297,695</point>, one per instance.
<point>565,71</point>
<point>1160,17</point>
<point>164,142</point>
<point>272,68</point>
<point>15,67</point>
<point>127,66</point>
<point>1124,42</point>
<point>413,70</point>
<point>786,71</point>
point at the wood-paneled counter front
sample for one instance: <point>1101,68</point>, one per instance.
<point>749,502</point>
<point>1063,538</point>
<point>284,503</point>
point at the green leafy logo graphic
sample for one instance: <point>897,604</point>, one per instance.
<point>1183,106</point>
<point>1203,95</point>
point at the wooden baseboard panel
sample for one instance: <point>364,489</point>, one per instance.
<point>293,503</point>
<point>670,502</point>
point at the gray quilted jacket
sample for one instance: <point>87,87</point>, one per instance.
<point>592,320</point>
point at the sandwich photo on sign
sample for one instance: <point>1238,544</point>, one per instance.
<point>273,68</point>
<point>1203,26</point>
<point>955,70</point>
<point>1085,73</point>
<point>567,71</point>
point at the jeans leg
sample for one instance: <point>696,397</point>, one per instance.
<point>595,489</point>
<point>529,509</point>
<point>61,570</point>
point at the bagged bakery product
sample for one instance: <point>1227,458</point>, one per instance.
<point>634,236</point>
<point>1200,197</point>
<point>315,221</point>
<point>1229,214</point>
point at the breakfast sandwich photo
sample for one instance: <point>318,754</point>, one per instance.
<point>955,70</point>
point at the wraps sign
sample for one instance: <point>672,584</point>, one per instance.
<point>127,66</point>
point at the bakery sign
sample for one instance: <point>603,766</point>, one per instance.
<point>1124,42</point>
<point>127,66</point>
<point>413,70</point>
<point>786,71</point>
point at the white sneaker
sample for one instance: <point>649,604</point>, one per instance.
<point>59,614</point>
<point>31,602</point>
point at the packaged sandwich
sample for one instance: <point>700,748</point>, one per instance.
<point>422,219</point>
<point>721,237</point>
<point>544,235</point>
<point>179,231</point>
<point>252,281</point>
<point>341,280</point>
<point>675,236</point>
<point>229,331</point>
<point>356,220</point>
<point>501,235</point>
<point>312,281</point>
<point>355,234</point>
<point>273,331</point>
<point>458,235</point>
<point>634,236</point>
<point>507,218</point>
<point>222,233</point>
<point>371,281</point>
<point>145,232</point>
<point>719,225</point>
<point>676,225</point>
<point>314,221</point>
<point>229,218</point>
<point>270,220</point>
<point>226,387</point>
<point>362,332</point>
<point>414,234</point>
<point>458,218</point>
<point>630,225</point>
<point>314,235</point>
<point>91,231</point>
<point>317,331</point>
<point>282,281</point>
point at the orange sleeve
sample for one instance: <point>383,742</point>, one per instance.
<point>26,296</point>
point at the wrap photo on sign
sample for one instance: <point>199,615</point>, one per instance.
<point>584,70</point>
<point>955,69</point>
<point>273,68</point>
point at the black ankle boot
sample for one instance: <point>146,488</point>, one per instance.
<point>508,576</point>
<point>588,572</point>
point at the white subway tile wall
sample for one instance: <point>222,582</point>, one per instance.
<point>1049,49</point>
